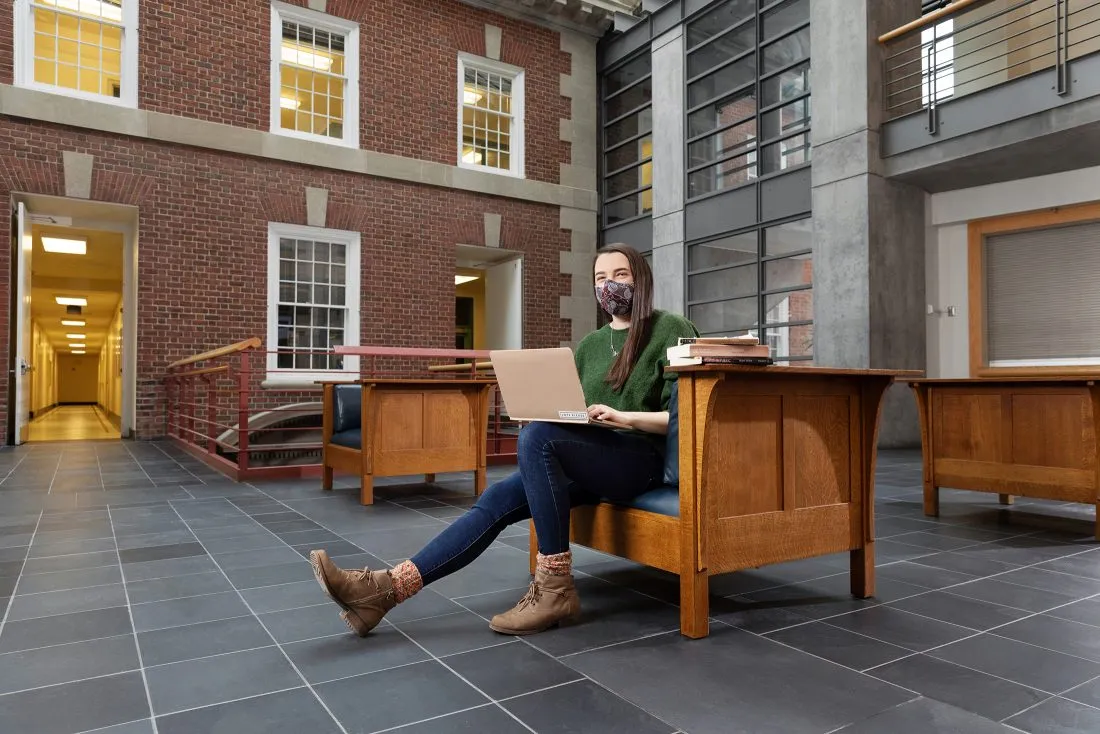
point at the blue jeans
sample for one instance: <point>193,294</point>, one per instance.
<point>560,466</point>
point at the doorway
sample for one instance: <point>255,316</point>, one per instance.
<point>72,345</point>
<point>488,298</point>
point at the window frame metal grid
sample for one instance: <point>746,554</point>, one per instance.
<point>24,51</point>
<point>352,299</point>
<point>605,149</point>
<point>762,292</point>
<point>318,21</point>
<point>756,86</point>
<point>517,153</point>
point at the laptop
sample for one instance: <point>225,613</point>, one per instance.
<point>543,385</point>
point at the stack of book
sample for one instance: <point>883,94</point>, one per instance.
<point>719,350</point>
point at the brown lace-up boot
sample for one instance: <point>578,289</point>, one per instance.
<point>365,596</point>
<point>550,601</point>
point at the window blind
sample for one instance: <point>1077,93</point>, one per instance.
<point>1042,300</point>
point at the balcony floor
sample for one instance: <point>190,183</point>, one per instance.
<point>147,586</point>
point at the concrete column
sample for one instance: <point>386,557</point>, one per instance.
<point>868,231</point>
<point>668,171</point>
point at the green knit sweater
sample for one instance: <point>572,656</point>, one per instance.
<point>648,389</point>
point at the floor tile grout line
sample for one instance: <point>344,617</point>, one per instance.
<point>284,653</point>
<point>112,726</point>
<point>19,578</point>
<point>74,588</point>
<point>967,667</point>
<point>66,644</point>
<point>585,676</point>
<point>1049,697</point>
<point>465,680</point>
<point>226,703</point>
<point>399,727</point>
<point>113,674</point>
<point>133,626</point>
<point>944,589</point>
<point>57,468</point>
<point>212,656</point>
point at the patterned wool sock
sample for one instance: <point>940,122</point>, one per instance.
<point>406,580</point>
<point>559,564</point>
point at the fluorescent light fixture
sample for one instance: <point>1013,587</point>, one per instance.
<point>460,279</point>
<point>471,156</point>
<point>65,245</point>
<point>78,351</point>
<point>71,322</point>
<point>471,96</point>
<point>292,53</point>
<point>75,336</point>
<point>289,103</point>
<point>71,301</point>
<point>77,346</point>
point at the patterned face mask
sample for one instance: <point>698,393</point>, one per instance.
<point>614,297</point>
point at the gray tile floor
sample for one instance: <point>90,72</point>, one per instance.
<point>144,593</point>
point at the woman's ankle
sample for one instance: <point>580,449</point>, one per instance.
<point>406,580</point>
<point>557,564</point>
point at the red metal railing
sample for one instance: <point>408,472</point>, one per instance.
<point>251,413</point>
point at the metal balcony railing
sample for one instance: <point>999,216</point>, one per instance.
<point>971,45</point>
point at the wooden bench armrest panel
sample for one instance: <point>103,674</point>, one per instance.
<point>774,467</point>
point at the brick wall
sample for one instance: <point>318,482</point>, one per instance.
<point>212,61</point>
<point>202,253</point>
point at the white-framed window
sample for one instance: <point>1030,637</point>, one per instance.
<point>314,75</point>
<point>313,302</point>
<point>82,48</point>
<point>490,116</point>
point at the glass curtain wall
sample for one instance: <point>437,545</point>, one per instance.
<point>747,67</point>
<point>627,140</point>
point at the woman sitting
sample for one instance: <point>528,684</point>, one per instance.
<point>621,368</point>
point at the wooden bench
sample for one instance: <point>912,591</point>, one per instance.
<point>398,427</point>
<point>763,465</point>
<point>1027,436</point>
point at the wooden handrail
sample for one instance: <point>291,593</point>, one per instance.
<point>926,20</point>
<point>253,343</point>
<point>204,371</point>
<point>459,367</point>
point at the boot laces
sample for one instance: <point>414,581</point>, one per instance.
<point>534,593</point>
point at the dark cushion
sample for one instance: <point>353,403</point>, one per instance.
<point>352,438</point>
<point>672,440</point>
<point>347,408</point>
<point>662,501</point>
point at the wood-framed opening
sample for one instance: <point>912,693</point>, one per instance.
<point>977,232</point>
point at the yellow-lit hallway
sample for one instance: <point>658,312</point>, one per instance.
<point>72,423</point>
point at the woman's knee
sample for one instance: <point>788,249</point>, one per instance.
<point>535,436</point>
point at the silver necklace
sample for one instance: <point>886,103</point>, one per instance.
<point>611,339</point>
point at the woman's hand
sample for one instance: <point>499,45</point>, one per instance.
<point>645,422</point>
<point>605,413</point>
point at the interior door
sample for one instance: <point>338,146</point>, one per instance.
<point>22,366</point>
<point>504,305</point>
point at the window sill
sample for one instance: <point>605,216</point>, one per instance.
<point>1038,371</point>
<point>489,169</point>
<point>322,139</point>
<point>305,381</point>
<point>77,94</point>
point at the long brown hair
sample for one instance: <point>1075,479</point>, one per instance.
<point>641,313</point>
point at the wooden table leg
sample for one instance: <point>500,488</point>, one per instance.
<point>366,490</point>
<point>481,479</point>
<point>1098,520</point>
<point>694,604</point>
<point>429,479</point>
<point>1007,499</point>
<point>326,478</point>
<point>931,499</point>
<point>863,571</point>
